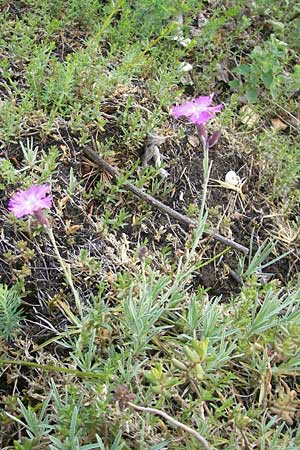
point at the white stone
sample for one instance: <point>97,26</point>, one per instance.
<point>232,178</point>
<point>185,67</point>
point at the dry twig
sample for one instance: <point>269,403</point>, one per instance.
<point>175,422</point>
<point>102,164</point>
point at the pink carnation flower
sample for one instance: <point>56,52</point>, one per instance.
<point>198,110</point>
<point>31,201</point>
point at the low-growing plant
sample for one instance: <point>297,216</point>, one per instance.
<point>8,173</point>
<point>11,313</point>
<point>259,260</point>
<point>265,69</point>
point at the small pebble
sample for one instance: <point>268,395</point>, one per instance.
<point>185,67</point>
<point>232,178</point>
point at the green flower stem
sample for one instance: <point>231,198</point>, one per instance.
<point>67,272</point>
<point>202,214</point>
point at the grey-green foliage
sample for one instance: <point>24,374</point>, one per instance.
<point>278,309</point>
<point>10,312</point>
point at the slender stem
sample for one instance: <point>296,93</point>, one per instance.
<point>206,172</point>
<point>202,215</point>
<point>66,269</point>
<point>175,422</point>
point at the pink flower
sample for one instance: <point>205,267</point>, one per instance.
<point>31,202</point>
<point>198,110</point>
